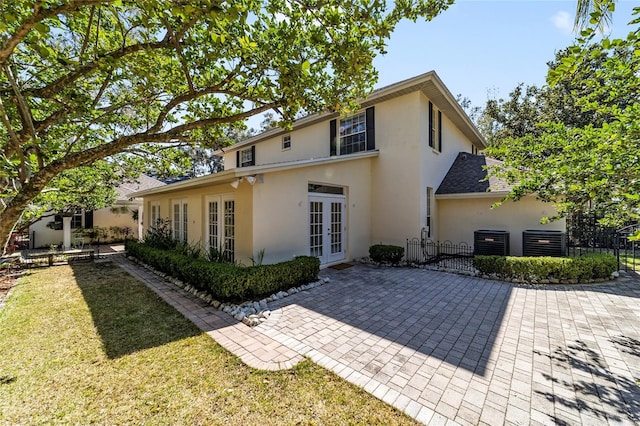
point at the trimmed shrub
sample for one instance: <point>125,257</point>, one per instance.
<point>384,253</point>
<point>583,268</point>
<point>228,282</point>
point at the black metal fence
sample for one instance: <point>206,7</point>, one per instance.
<point>586,235</point>
<point>628,248</point>
<point>440,254</point>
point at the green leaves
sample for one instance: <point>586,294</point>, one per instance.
<point>117,79</point>
<point>589,158</point>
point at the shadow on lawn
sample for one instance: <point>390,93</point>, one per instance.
<point>127,315</point>
<point>600,391</point>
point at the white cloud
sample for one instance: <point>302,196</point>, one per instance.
<point>563,21</point>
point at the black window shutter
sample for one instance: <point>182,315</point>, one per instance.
<point>440,131</point>
<point>332,138</point>
<point>238,158</point>
<point>371,129</point>
<point>88,219</point>
<point>253,155</point>
<point>431,141</point>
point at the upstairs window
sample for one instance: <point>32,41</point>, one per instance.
<point>286,142</point>
<point>435,128</point>
<point>246,157</point>
<point>353,134</point>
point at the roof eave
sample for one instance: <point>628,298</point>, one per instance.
<point>228,176</point>
<point>428,83</point>
<point>488,194</point>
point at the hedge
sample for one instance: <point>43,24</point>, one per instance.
<point>228,282</point>
<point>382,253</point>
<point>583,268</point>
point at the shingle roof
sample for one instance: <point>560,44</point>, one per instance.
<point>141,183</point>
<point>467,175</point>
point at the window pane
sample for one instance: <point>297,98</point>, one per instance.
<point>353,137</point>
<point>176,221</point>
<point>229,230</point>
<point>213,225</point>
<point>184,222</point>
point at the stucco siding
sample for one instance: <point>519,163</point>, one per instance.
<point>436,163</point>
<point>281,209</point>
<point>196,199</point>
<point>42,236</point>
<point>459,218</point>
<point>308,142</point>
<point>395,183</point>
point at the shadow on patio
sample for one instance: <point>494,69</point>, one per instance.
<point>440,315</point>
<point>601,391</point>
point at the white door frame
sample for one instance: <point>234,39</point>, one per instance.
<point>328,241</point>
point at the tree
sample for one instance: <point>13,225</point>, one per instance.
<point>124,80</point>
<point>593,12</point>
<point>597,163</point>
<point>527,106</point>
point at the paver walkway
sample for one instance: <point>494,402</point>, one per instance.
<point>449,349</point>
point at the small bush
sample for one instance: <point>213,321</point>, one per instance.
<point>160,236</point>
<point>383,253</point>
<point>583,268</point>
<point>226,281</point>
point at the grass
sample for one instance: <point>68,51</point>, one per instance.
<point>90,344</point>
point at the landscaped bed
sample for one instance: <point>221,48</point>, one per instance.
<point>225,281</point>
<point>548,270</point>
<point>88,344</point>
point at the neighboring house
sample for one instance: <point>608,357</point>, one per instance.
<point>49,230</point>
<point>333,186</point>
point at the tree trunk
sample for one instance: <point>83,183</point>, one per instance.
<point>11,214</point>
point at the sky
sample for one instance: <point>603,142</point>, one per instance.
<point>483,48</point>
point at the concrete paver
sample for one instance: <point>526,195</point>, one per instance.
<point>450,349</point>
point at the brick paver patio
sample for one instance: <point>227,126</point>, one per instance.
<point>450,349</point>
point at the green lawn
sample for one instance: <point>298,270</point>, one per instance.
<point>89,344</point>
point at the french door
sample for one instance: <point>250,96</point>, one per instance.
<point>327,227</point>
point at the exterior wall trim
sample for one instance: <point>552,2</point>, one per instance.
<point>229,176</point>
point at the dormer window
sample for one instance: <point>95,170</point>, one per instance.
<point>246,157</point>
<point>353,134</point>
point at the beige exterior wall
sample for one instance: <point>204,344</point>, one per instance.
<point>407,165</point>
<point>306,143</point>
<point>395,182</point>
<point>436,164</point>
<point>459,218</point>
<point>106,218</point>
<point>274,214</point>
<point>197,202</point>
<point>281,209</point>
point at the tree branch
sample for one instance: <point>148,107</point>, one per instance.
<point>40,15</point>
<point>62,82</point>
<point>85,42</point>
<point>176,45</point>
